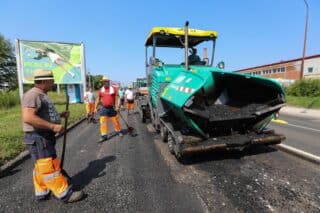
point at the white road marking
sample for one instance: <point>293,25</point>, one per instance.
<point>303,127</point>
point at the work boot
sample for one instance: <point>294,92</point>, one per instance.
<point>103,138</point>
<point>93,120</point>
<point>43,198</point>
<point>75,196</point>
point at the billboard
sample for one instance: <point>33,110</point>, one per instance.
<point>64,59</point>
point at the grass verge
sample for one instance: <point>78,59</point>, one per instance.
<point>306,102</point>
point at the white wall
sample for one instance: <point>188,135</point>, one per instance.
<point>313,62</point>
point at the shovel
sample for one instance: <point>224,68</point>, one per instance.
<point>131,130</point>
<point>64,143</point>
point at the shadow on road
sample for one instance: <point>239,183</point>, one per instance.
<point>223,155</point>
<point>10,173</point>
<point>92,171</point>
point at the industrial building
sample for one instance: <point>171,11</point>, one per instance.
<point>288,70</point>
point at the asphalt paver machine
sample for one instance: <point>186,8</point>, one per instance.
<point>196,106</point>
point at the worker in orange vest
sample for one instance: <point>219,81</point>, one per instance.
<point>109,97</point>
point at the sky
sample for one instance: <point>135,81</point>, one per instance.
<point>250,32</point>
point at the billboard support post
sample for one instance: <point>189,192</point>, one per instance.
<point>84,71</point>
<point>19,68</point>
<point>58,88</point>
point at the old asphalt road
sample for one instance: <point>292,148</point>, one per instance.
<point>138,174</point>
<point>121,175</point>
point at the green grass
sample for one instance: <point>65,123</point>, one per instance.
<point>9,99</point>
<point>11,134</point>
<point>306,102</point>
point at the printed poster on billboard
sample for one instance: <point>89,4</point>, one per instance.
<point>64,59</point>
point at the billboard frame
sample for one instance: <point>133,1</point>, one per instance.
<point>19,62</point>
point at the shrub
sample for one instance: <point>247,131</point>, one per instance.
<point>9,99</point>
<point>305,87</point>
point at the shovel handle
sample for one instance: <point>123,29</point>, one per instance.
<point>64,134</point>
<point>124,120</point>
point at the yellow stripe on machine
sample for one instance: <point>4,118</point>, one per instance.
<point>279,121</point>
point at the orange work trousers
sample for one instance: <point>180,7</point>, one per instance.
<point>130,106</point>
<point>47,177</point>
<point>90,107</point>
<point>104,124</point>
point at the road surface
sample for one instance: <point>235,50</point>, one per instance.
<point>138,174</point>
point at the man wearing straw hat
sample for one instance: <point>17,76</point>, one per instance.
<point>109,97</point>
<point>41,122</point>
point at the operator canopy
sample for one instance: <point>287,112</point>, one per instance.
<point>173,37</point>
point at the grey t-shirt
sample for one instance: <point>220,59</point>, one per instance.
<point>36,98</point>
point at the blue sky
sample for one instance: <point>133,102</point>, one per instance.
<point>251,32</point>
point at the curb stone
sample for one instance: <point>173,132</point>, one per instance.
<point>25,154</point>
<point>299,153</point>
<point>301,112</point>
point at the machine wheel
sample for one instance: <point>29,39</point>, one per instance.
<point>181,158</point>
<point>171,144</point>
<point>153,120</point>
<point>163,133</point>
<point>143,116</point>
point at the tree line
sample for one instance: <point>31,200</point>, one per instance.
<point>8,65</point>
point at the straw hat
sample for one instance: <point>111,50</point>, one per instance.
<point>43,75</point>
<point>105,78</point>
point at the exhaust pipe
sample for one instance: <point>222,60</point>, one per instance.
<point>186,44</point>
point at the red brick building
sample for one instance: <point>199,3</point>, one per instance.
<point>289,70</point>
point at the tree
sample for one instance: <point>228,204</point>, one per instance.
<point>5,49</point>
<point>97,81</point>
<point>8,68</point>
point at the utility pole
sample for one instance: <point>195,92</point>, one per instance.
<point>305,40</point>
<point>92,84</point>
<point>89,79</point>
